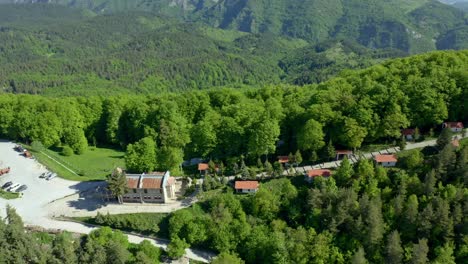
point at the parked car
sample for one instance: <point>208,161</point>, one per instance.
<point>13,187</point>
<point>43,175</point>
<point>51,176</point>
<point>22,188</point>
<point>6,185</point>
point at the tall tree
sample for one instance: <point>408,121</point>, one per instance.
<point>394,251</point>
<point>359,257</point>
<point>117,183</point>
<point>444,138</point>
<point>344,173</point>
<point>141,156</point>
<point>420,251</point>
<point>263,137</point>
<point>310,136</point>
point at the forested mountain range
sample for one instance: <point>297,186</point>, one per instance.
<point>412,26</point>
<point>57,50</point>
<point>54,49</point>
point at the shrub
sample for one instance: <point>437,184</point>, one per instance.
<point>67,151</point>
<point>37,146</point>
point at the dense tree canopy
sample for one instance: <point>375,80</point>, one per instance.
<point>359,107</point>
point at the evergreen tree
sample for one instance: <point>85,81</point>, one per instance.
<point>116,253</point>
<point>63,249</point>
<point>420,251</point>
<point>298,157</point>
<point>330,151</point>
<point>117,183</point>
<point>429,183</point>
<point>359,257</point>
<point>268,168</point>
<point>402,143</point>
<point>344,173</point>
<point>212,167</point>
<point>394,251</point>
<point>444,139</point>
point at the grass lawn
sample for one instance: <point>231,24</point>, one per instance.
<point>8,195</point>
<point>376,147</point>
<point>149,224</point>
<point>94,164</point>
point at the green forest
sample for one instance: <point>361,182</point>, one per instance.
<point>60,51</point>
<point>354,109</point>
<point>19,244</point>
<point>237,83</point>
<point>416,213</point>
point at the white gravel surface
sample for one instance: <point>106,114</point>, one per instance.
<point>34,207</point>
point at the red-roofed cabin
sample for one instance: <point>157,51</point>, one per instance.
<point>387,160</point>
<point>311,174</point>
<point>283,159</point>
<point>408,133</point>
<point>340,154</point>
<point>246,186</point>
<point>454,126</point>
<point>204,167</point>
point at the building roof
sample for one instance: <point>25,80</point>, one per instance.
<point>318,172</point>
<point>386,158</point>
<point>132,182</point>
<point>152,180</point>
<point>151,183</point>
<point>407,131</point>
<point>242,185</point>
<point>344,152</point>
<point>203,166</point>
<point>283,159</point>
<point>454,124</point>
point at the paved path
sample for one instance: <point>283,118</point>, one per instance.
<point>33,206</point>
<point>369,155</point>
<point>90,203</point>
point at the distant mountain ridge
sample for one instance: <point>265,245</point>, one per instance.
<point>411,26</point>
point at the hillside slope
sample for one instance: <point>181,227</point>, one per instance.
<point>411,26</point>
<point>64,51</point>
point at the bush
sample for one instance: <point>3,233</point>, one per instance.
<point>67,151</point>
<point>37,146</point>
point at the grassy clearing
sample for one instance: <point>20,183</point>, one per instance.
<point>374,148</point>
<point>8,195</point>
<point>94,164</point>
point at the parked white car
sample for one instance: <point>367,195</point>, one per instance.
<point>13,187</point>
<point>51,176</point>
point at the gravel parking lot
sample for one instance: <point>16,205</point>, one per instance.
<point>40,192</point>
<point>37,202</point>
